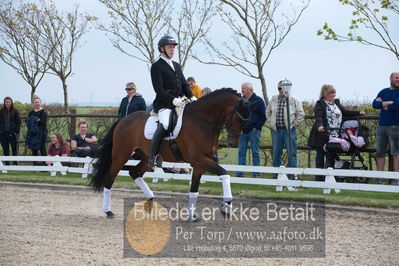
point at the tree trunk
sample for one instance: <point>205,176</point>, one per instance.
<point>32,92</point>
<point>65,89</point>
<point>263,83</point>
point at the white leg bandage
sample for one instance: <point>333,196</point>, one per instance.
<point>227,197</point>
<point>192,201</point>
<point>144,187</point>
<point>106,200</point>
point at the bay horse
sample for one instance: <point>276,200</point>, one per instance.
<point>203,120</point>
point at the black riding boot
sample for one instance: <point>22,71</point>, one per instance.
<point>155,159</point>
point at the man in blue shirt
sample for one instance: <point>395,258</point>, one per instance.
<point>252,128</point>
<point>388,126</point>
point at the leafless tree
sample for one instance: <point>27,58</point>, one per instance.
<point>369,16</point>
<point>191,25</point>
<point>258,27</point>
<point>136,25</point>
<point>63,32</point>
<point>20,44</point>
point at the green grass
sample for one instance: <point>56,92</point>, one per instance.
<point>345,197</point>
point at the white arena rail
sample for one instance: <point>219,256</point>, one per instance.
<point>84,167</point>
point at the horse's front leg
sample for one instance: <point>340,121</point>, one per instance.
<point>211,166</point>
<point>193,195</point>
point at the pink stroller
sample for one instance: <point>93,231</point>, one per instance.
<point>352,137</point>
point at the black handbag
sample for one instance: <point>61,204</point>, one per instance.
<point>333,146</point>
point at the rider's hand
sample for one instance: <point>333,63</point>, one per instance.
<point>321,129</point>
<point>178,102</point>
<point>192,99</point>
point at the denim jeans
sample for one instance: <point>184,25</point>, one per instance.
<point>253,137</point>
<point>279,140</point>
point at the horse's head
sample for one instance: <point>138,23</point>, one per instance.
<point>240,114</point>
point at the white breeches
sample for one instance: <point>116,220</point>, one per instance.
<point>164,115</point>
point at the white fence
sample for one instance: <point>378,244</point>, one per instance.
<point>83,166</point>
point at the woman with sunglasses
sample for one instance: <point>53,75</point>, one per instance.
<point>132,102</point>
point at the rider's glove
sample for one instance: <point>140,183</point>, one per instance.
<point>192,99</point>
<point>178,102</point>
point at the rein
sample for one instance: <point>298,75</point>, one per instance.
<point>231,116</point>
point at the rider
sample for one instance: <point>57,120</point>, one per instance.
<point>170,85</point>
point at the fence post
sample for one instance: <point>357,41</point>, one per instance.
<point>3,171</point>
<point>72,129</point>
<point>330,179</point>
<point>390,162</point>
<point>370,162</point>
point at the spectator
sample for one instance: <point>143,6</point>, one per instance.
<point>251,129</point>
<point>206,91</point>
<point>10,124</point>
<point>57,146</point>
<point>132,102</point>
<point>388,125</point>
<point>195,89</point>
<point>37,129</point>
<point>328,114</point>
<point>84,144</point>
<point>276,115</point>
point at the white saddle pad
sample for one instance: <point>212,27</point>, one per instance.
<point>152,124</point>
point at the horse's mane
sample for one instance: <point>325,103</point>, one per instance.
<point>218,93</point>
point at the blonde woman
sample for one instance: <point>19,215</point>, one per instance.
<point>132,102</point>
<point>37,118</point>
<point>328,114</point>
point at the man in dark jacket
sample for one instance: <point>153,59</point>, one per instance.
<point>132,102</point>
<point>252,128</point>
<point>169,85</point>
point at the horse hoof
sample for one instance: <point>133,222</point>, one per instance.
<point>196,219</point>
<point>148,205</point>
<point>226,208</point>
<point>110,214</point>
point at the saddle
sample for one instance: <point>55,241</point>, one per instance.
<point>175,123</point>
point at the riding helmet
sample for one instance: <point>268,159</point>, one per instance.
<point>166,40</point>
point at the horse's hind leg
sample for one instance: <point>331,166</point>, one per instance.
<point>116,165</point>
<point>136,172</point>
<point>107,191</point>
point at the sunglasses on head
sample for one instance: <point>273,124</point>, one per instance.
<point>129,89</point>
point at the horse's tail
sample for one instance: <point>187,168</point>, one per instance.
<point>103,161</point>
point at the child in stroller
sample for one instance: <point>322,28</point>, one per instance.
<point>352,136</point>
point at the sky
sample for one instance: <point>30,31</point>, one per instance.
<point>358,72</point>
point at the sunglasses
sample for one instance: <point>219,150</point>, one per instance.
<point>129,89</point>
<point>279,88</point>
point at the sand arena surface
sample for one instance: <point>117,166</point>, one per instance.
<point>44,224</point>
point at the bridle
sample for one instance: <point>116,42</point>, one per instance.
<point>231,132</point>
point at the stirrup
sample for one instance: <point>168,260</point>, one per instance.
<point>155,160</point>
